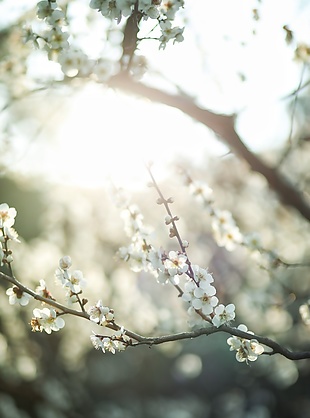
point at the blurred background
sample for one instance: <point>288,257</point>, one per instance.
<point>65,140</point>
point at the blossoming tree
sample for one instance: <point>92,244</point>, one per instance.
<point>199,293</point>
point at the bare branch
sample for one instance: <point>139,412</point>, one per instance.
<point>223,126</point>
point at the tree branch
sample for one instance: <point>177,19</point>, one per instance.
<point>223,126</point>
<point>141,340</point>
<point>276,348</point>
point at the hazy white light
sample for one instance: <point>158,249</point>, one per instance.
<point>188,366</point>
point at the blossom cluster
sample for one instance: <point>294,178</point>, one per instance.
<point>47,320</point>
<point>163,11</point>
<point>73,61</point>
<point>73,281</point>
<point>224,227</point>
<point>167,267</point>
<point>58,43</point>
<point>246,350</point>
<point>117,342</point>
<point>7,232</point>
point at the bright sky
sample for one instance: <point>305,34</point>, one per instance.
<point>103,134</point>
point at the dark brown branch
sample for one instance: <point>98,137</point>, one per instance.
<point>224,127</point>
<point>276,348</point>
<point>141,340</point>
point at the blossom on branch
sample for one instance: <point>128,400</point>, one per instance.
<point>223,314</point>
<point>100,314</point>
<point>247,350</point>
<point>117,342</point>
<point>176,263</point>
<point>200,297</point>
<point>225,230</point>
<point>74,281</point>
<point>46,319</point>
<point>7,215</point>
<point>16,295</point>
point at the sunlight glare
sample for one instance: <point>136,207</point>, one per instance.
<point>111,135</point>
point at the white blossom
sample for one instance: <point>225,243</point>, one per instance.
<point>168,33</point>
<point>247,350</point>
<point>100,314</point>
<point>201,275</point>
<point>10,234</point>
<point>45,8</point>
<point>43,291</point>
<point>225,230</point>
<point>201,191</point>
<point>46,319</point>
<point>170,7</point>
<point>223,314</point>
<point>16,295</point>
<point>200,297</point>
<point>117,342</point>
<point>75,281</point>
<point>74,62</point>
<point>57,17</point>
<point>57,38</point>
<point>7,215</point>
<point>176,263</point>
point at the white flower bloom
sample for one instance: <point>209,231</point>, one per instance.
<point>75,281</point>
<point>155,258</point>
<point>71,297</point>
<point>97,342</point>
<point>223,219</point>
<point>109,344</point>
<point>57,38</point>
<point>74,62</point>
<point>204,299</point>
<point>117,342</point>
<point>46,319</point>
<point>228,238</point>
<point>16,295</point>
<point>163,277</point>
<point>100,314</point>
<point>170,7</point>
<point>252,241</point>
<point>10,233</point>
<point>194,319</point>
<point>226,232</point>
<point>57,17</point>
<point>133,220</point>
<point>62,276</point>
<point>201,275</point>
<point>200,297</point>
<point>223,314</point>
<point>168,33</point>
<point>7,215</point>
<point>247,350</point>
<point>201,191</point>
<point>41,289</point>
<point>176,263</point>
<point>45,9</point>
